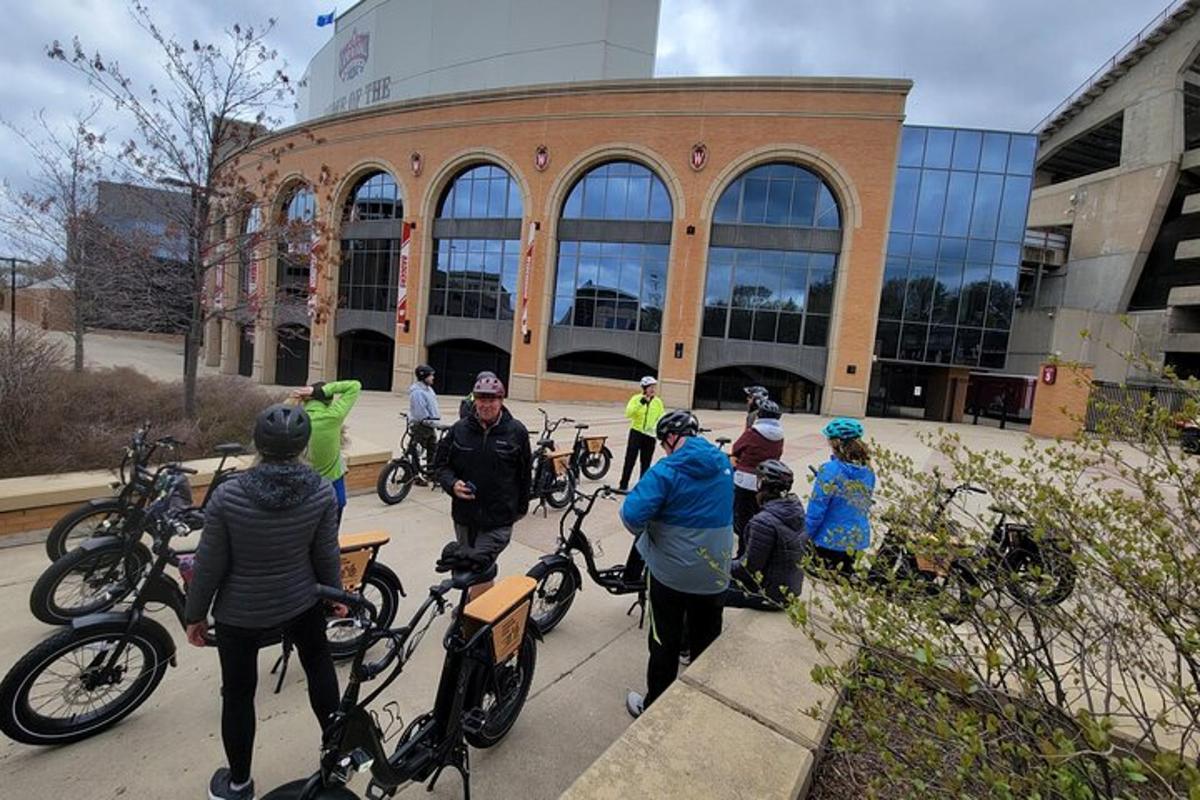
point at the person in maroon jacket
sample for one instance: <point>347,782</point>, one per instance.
<point>761,442</point>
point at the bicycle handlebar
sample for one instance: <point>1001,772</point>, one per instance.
<point>348,599</point>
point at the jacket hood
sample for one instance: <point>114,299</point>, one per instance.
<point>769,429</point>
<point>789,511</point>
<point>276,486</point>
<point>699,458</point>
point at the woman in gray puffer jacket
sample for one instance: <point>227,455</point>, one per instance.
<point>270,537</point>
<point>776,543</point>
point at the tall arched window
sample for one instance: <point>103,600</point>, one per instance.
<point>371,245</point>
<point>477,244</point>
<point>247,248</point>
<point>613,242</point>
<point>772,256</point>
<point>294,243</point>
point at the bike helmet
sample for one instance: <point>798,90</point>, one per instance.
<point>769,409</point>
<point>486,383</point>
<point>759,392</point>
<point>649,380</point>
<point>679,421</point>
<point>281,431</point>
<point>423,371</point>
<point>774,476</point>
<point>843,428</point>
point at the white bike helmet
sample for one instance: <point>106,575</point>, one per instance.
<point>649,380</point>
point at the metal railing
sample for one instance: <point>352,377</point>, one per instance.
<point>1125,50</point>
<point>1121,409</point>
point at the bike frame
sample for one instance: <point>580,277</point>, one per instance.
<point>610,579</point>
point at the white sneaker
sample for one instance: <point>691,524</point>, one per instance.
<point>635,704</point>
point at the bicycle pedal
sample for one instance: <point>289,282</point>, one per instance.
<point>473,721</point>
<point>377,792</point>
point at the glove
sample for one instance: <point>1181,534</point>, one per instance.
<point>644,401</point>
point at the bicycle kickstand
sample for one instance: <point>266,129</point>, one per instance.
<point>639,604</point>
<point>461,756</point>
<point>281,664</point>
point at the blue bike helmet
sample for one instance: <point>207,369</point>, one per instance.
<point>843,428</point>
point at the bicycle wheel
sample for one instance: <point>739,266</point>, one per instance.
<point>64,691</point>
<point>87,581</point>
<point>1041,575</point>
<point>395,481</point>
<point>382,588</point>
<point>560,490</point>
<point>553,595</point>
<point>503,695</point>
<point>595,465</point>
<point>94,518</point>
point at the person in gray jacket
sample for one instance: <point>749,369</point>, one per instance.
<point>423,412</point>
<point>270,537</point>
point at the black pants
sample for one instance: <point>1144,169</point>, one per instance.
<point>238,651</point>
<point>669,634</point>
<point>639,445</point>
<point>834,560</point>
<point>745,506</point>
<point>425,439</point>
<point>735,597</point>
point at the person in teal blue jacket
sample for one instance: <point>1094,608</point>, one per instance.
<point>837,517</point>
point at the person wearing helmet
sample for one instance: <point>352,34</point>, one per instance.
<point>484,462</point>
<point>754,396</point>
<point>682,513</point>
<point>328,405</point>
<point>837,518</point>
<point>643,411</point>
<point>466,406</point>
<point>761,441</point>
<point>423,413</point>
<point>269,539</point>
<point>775,544</point>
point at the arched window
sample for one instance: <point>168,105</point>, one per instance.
<point>613,242</point>
<point>247,246</point>
<point>477,244</point>
<point>294,242</point>
<point>772,257</point>
<point>371,245</point>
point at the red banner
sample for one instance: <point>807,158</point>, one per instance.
<point>402,279</point>
<point>525,282</point>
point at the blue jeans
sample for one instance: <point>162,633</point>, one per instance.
<point>339,488</point>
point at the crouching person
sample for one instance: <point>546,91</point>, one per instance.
<point>775,544</point>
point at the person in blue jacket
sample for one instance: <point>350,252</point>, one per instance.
<point>682,512</point>
<point>836,519</point>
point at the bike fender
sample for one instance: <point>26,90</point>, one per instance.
<point>149,626</point>
<point>163,589</point>
<point>101,542</point>
<point>549,560</point>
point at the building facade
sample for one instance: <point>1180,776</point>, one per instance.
<point>573,237</point>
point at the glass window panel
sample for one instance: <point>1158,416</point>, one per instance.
<point>828,215</point>
<point>952,249</point>
<point>479,199</point>
<point>816,330</point>
<point>973,304</point>
<point>437,303</point>
<point>739,323</point>
<point>918,301</point>
<point>899,244</point>
<point>1021,153</point>
<point>912,146</point>
<point>488,308</point>
<point>946,294</point>
<point>938,145</point>
<point>994,349</point>
<point>925,247</point>
<point>562,309</point>
<point>912,341</point>
<point>651,319</point>
<point>987,206</point>
<point>966,150</point>
<point>754,201</point>
<point>793,288</point>
<point>995,152</point>
<point>959,199</point>
<point>887,339</point>
<point>979,251</point>
<point>497,198</point>
<point>606,313</point>
<point>727,207</point>
<point>574,207</point>
<point>454,303</point>
<point>588,271</point>
<point>638,204</point>
<point>565,282</point>
<point>1001,298</point>
<point>779,204</point>
<point>627,316</point>
<point>904,205</point>
<point>660,201</point>
<point>823,260</point>
<point>615,198</point>
<point>714,321</point>
<point>589,249</point>
<point>717,289</point>
<point>789,328</point>
<point>593,197</point>
<point>1014,208</point>
<point>820,291</point>
<point>630,284</point>
<point>966,346</point>
<point>932,202</point>
<point>514,210</point>
<point>764,325</point>
<point>895,280</point>
<point>940,347</point>
<point>804,202</point>
<point>1008,254</point>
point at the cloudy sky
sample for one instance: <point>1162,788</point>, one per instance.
<point>977,63</point>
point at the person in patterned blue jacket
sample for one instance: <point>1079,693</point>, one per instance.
<point>682,512</point>
<point>837,518</point>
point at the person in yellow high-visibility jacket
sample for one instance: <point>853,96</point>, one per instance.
<point>643,411</point>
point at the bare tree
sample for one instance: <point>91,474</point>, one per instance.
<point>216,98</point>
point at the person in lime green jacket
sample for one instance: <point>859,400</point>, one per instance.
<point>328,405</point>
<point>643,411</point>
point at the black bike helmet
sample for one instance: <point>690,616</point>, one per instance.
<point>774,476</point>
<point>769,409</point>
<point>423,371</point>
<point>281,432</point>
<point>679,421</point>
<point>759,392</point>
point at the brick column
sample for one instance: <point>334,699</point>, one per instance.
<point>1060,408</point>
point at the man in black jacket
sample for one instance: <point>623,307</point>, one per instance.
<point>270,537</point>
<point>484,463</point>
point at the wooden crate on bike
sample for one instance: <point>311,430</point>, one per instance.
<point>561,462</point>
<point>357,550</point>
<point>505,606</point>
<point>595,444</point>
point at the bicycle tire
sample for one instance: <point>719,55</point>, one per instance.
<point>109,573</point>
<point>395,481</point>
<point>596,465</point>
<point>1057,568</point>
<point>21,722</point>
<point>69,531</point>
<point>385,589</point>
<point>560,490</point>
<point>563,595</point>
<point>503,716</point>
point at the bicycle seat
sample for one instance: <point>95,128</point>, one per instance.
<point>581,426</point>
<point>1006,510</point>
<point>461,579</point>
<point>230,449</point>
<point>724,440</point>
<point>547,443</point>
<point>442,426</point>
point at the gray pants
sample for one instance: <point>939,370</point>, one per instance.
<point>489,542</point>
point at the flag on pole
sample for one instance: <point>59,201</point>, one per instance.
<point>219,286</point>
<point>525,282</point>
<point>402,279</point>
<point>325,19</point>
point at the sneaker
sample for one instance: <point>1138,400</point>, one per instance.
<point>221,787</point>
<point>685,657</point>
<point>635,704</point>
